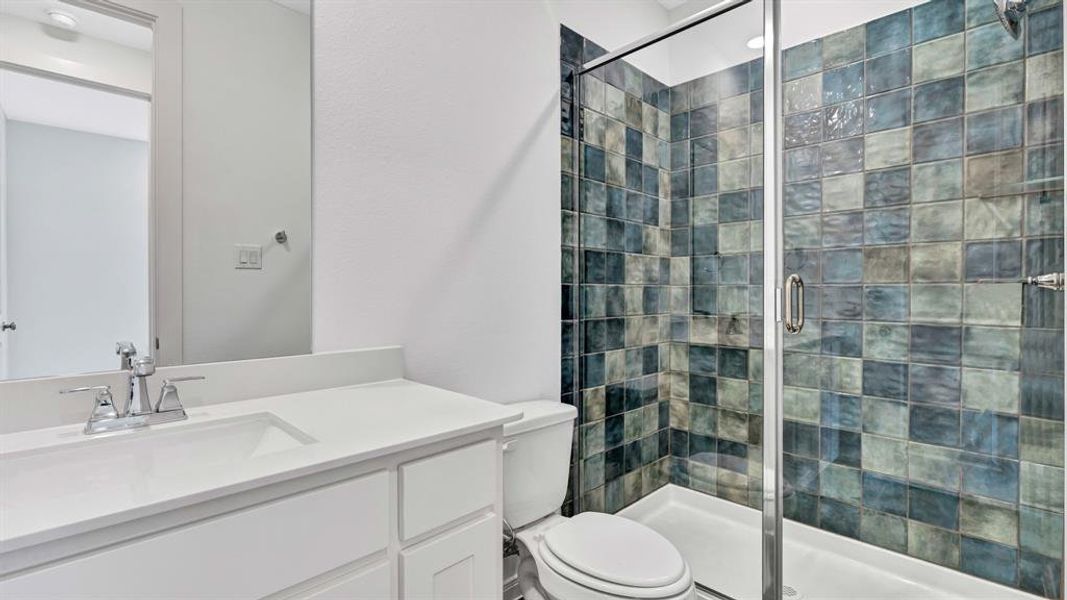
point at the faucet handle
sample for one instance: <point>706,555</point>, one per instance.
<point>144,366</point>
<point>168,395</point>
<point>103,404</point>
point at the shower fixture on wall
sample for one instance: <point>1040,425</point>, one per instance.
<point>1010,13</point>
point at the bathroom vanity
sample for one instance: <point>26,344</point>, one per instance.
<point>388,489</point>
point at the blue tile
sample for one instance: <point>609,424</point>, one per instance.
<point>800,199</point>
<point>992,477</point>
<point>889,111</point>
<point>680,188</point>
<point>887,188</point>
<point>840,446</point>
<point>935,343</point>
<point>733,269</point>
<point>842,229</point>
<point>842,302</point>
<point>705,270</point>
<point>703,121</point>
<point>1042,351</point>
<point>734,81</point>
<point>802,129</point>
<point>733,456</point>
<point>702,390</point>
<point>733,362</point>
<point>650,184</point>
<point>1040,575</point>
<point>1042,396</point>
<point>634,145</point>
<point>634,173</point>
<point>995,130</point>
<point>889,72</point>
<point>593,163</point>
<point>840,411</point>
<point>705,150</point>
<point>1044,121</point>
<point>1044,30</point>
<point>885,494</point>
<point>843,120</point>
<point>702,359</point>
<point>800,438</point>
<point>936,507</point>
<point>801,473</point>
<point>938,99</point>
<point>988,45</point>
<point>988,433</point>
<point>937,18</point>
<point>843,266</point>
<point>840,518</point>
<point>1044,255</point>
<point>592,373</point>
<point>842,156</point>
<point>570,45</point>
<point>889,33</point>
<point>843,83</point>
<point>802,163</point>
<point>935,384</point>
<point>614,431</point>
<point>1044,163</point>
<point>992,260</point>
<point>936,141</point>
<point>934,425</point>
<point>889,226</point>
<point>885,302</point>
<point>616,202</point>
<point>885,379</point>
<point>705,239</point>
<point>802,508</point>
<point>705,180</point>
<point>842,338</point>
<point>679,127</point>
<point>802,60</point>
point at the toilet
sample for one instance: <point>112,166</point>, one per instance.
<point>591,556</point>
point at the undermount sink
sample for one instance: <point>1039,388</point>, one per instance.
<point>136,457</point>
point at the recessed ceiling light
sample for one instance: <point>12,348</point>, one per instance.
<point>755,43</point>
<point>62,19</point>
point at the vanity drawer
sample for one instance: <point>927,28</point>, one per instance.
<point>246,554</point>
<point>437,490</point>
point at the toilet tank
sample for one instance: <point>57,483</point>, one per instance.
<point>537,452</point>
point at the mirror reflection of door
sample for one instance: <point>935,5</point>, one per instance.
<point>75,114</point>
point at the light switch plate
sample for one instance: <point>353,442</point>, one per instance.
<point>247,256</point>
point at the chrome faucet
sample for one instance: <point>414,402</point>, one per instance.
<point>139,411</point>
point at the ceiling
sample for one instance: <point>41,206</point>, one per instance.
<point>90,22</point>
<point>58,104</point>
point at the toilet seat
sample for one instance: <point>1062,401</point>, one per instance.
<point>606,556</point>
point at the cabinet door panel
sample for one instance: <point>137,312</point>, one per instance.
<point>461,564</point>
<point>439,489</point>
<point>372,583</point>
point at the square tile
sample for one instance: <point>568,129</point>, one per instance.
<point>934,544</point>
<point>936,303</point>
<point>886,265</point>
<point>989,520</point>
<point>844,47</point>
<point>802,60</point>
<point>938,59</point>
<point>995,130</point>
<point>992,477</point>
<point>889,111</point>
<point>1041,441</point>
<point>1044,121</point>
<point>933,506</point>
<point>885,455</point>
<point>937,18</point>
<point>843,120</point>
<point>933,384</point>
<point>937,181</point>
<point>1044,76</point>
<point>937,222</point>
<point>889,33</point>
<point>842,156</point>
<point>995,562</point>
<point>1002,85</point>
<point>938,99</point>
<point>889,72</point>
<point>990,390</point>
<point>938,140</point>
<point>991,218</point>
<point>991,348</point>
<point>885,303</point>
<point>987,45</point>
<point>887,226</point>
<point>887,149</point>
<point>987,433</point>
<point>1044,31</point>
<point>934,263</point>
<point>1041,486</point>
<point>843,83</point>
<point>992,304</point>
<point>885,494</point>
<point>844,192</point>
<point>885,341</point>
<point>992,260</point>
<point>936,344</point>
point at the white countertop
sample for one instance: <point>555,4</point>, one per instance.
<point>349,425</point>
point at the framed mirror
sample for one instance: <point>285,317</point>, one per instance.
<point>155,182</point>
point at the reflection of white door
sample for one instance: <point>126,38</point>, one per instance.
<point>5,335</point>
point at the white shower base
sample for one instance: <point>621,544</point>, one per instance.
<point>721,542</point>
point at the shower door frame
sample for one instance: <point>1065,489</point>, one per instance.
<point>773,235</point>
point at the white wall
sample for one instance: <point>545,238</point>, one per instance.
<point>32,44</point>
<point>77,248</point>
<point>437,157</point>
<point>247,173</point>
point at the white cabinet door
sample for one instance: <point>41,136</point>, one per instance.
<point>372,583</point>
<point>460,565</point>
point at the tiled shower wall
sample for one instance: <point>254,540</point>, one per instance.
<point>616,269</point>
<point>924,399</point>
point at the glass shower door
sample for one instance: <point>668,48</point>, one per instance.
<point>922,209</point>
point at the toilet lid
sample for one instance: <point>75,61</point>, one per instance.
<point>617,550</point>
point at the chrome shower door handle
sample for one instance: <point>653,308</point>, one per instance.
<point>794,323</point>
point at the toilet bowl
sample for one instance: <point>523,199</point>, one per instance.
<point>591,556</point>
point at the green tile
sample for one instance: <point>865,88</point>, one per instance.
<point>732,393</point>
<point>633,425</point>
<point>733,425</point>
<point>680,413</point>
<point>887,148</point>
<point>988,218</point>
<point>1041,441</point>
<point>733,144</point>
<point>1001,85</point>
<point>884,530</point>
<point>937,222</point>
<point>933,544</point>
<point>840,483</point>
<point>842,374</point>
<point>844,47</point>
<point>803,94</point>
<point>705,210</point>
<point>1041,531</point>
<point>885,418</point>
<point>993,174</point>
<point>934,181</point>
<point>808,340</point>
<point>885,455</point>
<point>934,465</point>
<point>936,303</point>
<point>885,341</point>
<point>991,390</point>
<point>936,262</point>
<point>734,175</point>
<point>991,348</point>
<point>1044,214</point>
<point>615,164</point>
<point>734,237</point>
<point>938,59</point>
<point>801,404</point>
<point>803,232</point>
<point>992,304</point>
<point>702,477</point>
<point>733,300</point>
<point>885,264</point>
<point>844,192</point>
<point>801,370</point>
<point>1044,76</point>
<point>1041,486</point>
<point>989,520</point>
<point>734,111</point>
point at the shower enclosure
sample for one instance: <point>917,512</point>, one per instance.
<point>813,308</point>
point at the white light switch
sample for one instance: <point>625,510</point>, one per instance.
<point>247,256</point>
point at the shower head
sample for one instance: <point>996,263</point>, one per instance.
<point>1010,13</point>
